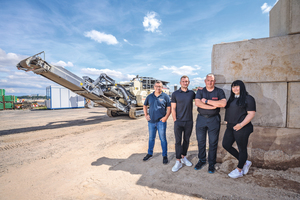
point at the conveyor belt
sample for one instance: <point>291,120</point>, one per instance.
<point>67,79</point>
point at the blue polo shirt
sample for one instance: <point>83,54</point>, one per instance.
<point>157,106</point>
<point>184,104</point>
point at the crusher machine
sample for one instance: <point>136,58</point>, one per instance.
<point>118,98</point>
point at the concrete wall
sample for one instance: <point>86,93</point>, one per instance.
<point>270,68</point>
<point>274,59</point>
<point>293,120</point>
<point>285,18</point>
<point>271,102</point>
<point>274,148</point>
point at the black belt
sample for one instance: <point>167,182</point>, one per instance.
<point>208,116</point>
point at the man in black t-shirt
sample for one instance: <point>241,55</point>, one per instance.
<point>182,113</point>
<point>208,100</point>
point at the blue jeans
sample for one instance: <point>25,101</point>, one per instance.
<point>161,128</point>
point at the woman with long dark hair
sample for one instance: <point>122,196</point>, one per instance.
<point>240,110</point>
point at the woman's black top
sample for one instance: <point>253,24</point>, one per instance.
<point>235,114</point>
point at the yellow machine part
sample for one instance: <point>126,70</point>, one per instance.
<point>141,97</point>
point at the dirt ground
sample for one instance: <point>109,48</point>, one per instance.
<point>83,154</point>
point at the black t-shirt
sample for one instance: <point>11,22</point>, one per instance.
<point>216,94</point>
<point>236,114</point>
<point>184,104</point>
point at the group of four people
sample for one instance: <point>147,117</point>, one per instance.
<point>240,109</point>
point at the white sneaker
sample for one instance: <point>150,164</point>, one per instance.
<point>235,173</point>
<point>247,166</point>
<point>185,161</point>
<point>177,166</point>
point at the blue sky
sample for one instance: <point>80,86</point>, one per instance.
<point>125,38</point>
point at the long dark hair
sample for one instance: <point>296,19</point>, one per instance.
<point>243,93</point>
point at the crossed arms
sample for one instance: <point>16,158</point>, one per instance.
<point>211,104</point>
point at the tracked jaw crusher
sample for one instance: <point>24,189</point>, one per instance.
<point>125,98</point>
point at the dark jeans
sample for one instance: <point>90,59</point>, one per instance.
<point>185,128</point>
<point>241,138</point>
<point>212,127</point>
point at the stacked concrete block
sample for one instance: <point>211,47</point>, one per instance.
<point>270,69</point>
<point>268,147</point>
<point>271,102</point>
<point>293,105</point>
<point>273,59</point>
<point>285,18</point>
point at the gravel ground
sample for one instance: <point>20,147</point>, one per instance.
<point>83,154</point>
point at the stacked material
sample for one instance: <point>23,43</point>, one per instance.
<point>6,101</point>
<point>2,93</point>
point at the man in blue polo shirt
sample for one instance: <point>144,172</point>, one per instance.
<point>182,113</point>
<point>159,111</point>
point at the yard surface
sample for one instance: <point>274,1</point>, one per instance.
<point>84,154</point>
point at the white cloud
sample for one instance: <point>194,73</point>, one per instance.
<point>197,81</point>
<point>10,90</point>
<point>9,58</point>
<point>184,70</point>
<point>101,37</point>
<point>266,8</point>
<point>112,73</point>
<point>128,42</point>
<point>17,81</point>
<point>2,69</point>
<point>150,23</point>
<point>63,64</point>
<point>24,83</point>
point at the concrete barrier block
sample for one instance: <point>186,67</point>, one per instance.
<point>275,148</point>
<point>295,16</point>
<point>258,60</point>
<point>270,100</point>
<point>285,18</point>
<point>293,116</point>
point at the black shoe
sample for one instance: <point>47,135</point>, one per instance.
<point>199,165</point>
<point>211,169</point>
<point>165,160</point>
<point>147,157</point>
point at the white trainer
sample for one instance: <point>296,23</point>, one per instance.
<point>177,166</point>
<point>235,173</point>
<point>247,166</point>
<point>185,161</point>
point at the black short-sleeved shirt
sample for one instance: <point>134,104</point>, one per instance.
<point>184,104</point>
<point>216,94</point>
<point>236,114</point>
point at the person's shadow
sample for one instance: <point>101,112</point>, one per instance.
<point>188,181</point>
<point>156,175</point>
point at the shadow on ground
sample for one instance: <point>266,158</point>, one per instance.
<point>188,181</point>
<point>64,124</point>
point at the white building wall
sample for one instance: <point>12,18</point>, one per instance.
<point>60,98</point>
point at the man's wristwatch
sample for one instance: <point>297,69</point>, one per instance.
<point>206,101</point>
